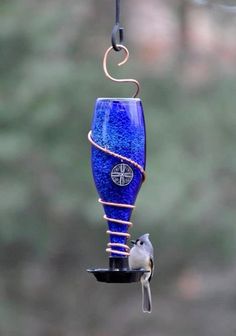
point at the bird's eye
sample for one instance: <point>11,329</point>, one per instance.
<point>141,243</point>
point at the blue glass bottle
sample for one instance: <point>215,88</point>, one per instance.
<point>118,125</point>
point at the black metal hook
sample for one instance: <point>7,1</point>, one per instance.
<point>117,30</point>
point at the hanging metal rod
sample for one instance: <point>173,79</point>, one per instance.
<point>117,30</point>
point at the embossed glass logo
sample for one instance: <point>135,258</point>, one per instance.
<point>122,174</point>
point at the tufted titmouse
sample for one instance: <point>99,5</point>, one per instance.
<point>141,256</point>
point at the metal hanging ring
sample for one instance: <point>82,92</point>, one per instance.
<point>129,80</point>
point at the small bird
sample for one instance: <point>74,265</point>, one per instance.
<point>141,257</point>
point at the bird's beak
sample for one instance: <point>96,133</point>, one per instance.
<point>133,242</point>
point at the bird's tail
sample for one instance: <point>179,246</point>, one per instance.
<point>146,297</point>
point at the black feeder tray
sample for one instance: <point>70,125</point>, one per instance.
<point>118,272</point>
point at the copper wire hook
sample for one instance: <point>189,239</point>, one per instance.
<point>129,80</point>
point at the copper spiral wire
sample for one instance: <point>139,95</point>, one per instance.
<point>110,246</point>
<point>121,157</point>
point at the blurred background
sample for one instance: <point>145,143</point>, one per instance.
<point>184,55</point>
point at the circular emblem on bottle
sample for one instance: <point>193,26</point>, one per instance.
<point>122,174</point>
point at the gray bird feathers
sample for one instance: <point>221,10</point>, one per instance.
<point>146,297</point>
<point>141,257</point>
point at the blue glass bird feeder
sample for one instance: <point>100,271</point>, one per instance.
<point>118,157</point>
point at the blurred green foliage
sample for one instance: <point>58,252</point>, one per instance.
<point>47,96</point>
<point>50,77</point>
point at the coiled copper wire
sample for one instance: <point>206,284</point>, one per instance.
<point>121,157</point>
<point>111,246</point>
